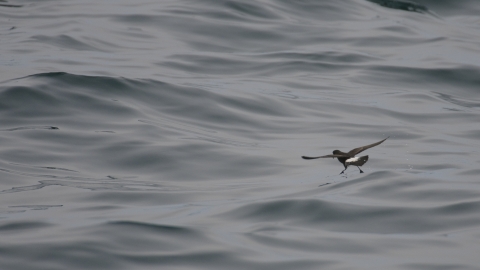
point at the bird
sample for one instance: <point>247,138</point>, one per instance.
<point>349,158</point>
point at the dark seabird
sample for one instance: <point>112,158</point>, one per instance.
<point>349,158</point>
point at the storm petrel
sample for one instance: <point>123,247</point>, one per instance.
<point>349,158</point>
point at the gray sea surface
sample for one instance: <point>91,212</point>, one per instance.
<point>169,134</point>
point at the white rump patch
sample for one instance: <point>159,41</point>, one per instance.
<point>353,159</point>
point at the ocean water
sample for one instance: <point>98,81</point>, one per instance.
<point>168,134</point>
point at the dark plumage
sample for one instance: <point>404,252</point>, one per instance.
<point>349,158</point>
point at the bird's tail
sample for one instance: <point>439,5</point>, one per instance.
<point>362,160</point>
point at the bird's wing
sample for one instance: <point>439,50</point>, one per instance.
<point>327,156</point>
<point>355,151</point>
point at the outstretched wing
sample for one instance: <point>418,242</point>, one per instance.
<point>327,156</point>
<point>355,151</point>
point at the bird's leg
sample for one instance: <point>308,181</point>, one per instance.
<point>360,169</point>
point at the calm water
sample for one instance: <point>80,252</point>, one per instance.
<point>168,134</point>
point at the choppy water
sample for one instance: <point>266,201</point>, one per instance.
<point>168,134</point>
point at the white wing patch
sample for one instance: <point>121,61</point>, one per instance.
<point>350,160</point>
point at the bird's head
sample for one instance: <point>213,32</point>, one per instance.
<point>336,152</point>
